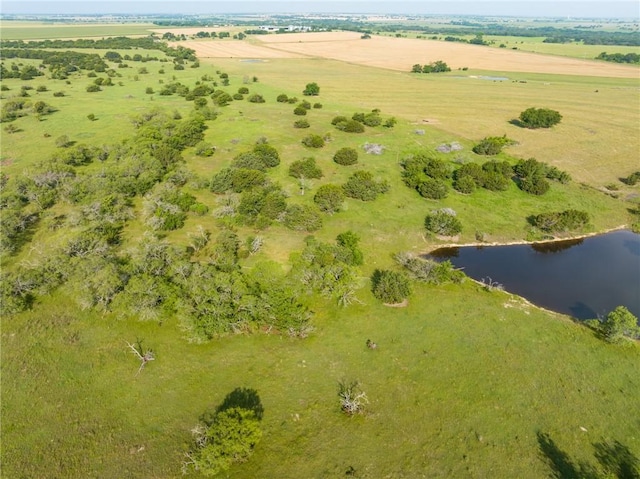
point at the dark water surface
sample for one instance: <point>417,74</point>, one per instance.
<point>583,278</point>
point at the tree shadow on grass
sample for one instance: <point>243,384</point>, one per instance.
<point>243,398</point>
<point>614,458</point>
<point>617,459</point>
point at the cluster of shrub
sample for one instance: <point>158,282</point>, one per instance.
<point>619,57</point>
<point>430,176</point>
<point>560,221</point>
<point>435,67</point>
<point>358,121</point>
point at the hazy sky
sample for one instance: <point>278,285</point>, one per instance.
<point>557,8</point>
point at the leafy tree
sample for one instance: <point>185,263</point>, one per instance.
<point>443,222</point>
<point>312,89</point>
<point>313,141</point>
<point>303,218</point>
<point>390,287</point>
<point>620,324</point>
<point>230,437</point>
<point>329,198</point>
<point>492,145</point>
<point>346,156</point>
<point>560,220</point>
<point>349,241</point>
<point>268,154</point>
<point>256,98</point>
<point>350,126</point>
<point>305,168</point>
<point>539,118</point>
<point>362,186</point>
<point>432,188</point>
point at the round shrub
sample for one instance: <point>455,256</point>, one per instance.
<point>268,154</point>
<point>362,186</point>
<point>305,168</point>
<point>238,96</point>
<point>256,98</point>
<point>93,88</point>
<point>243,90</point>
<point>313,141</point>
<point>443,222</point>
<point>300,111</point>
<point>350,126</point>
<point>432,189</point>
<point>390,287</point>
<point>282,98</point>
<point>338,119</point>
<point>465,184</point>
<point>346,156</point>
<point>317,105</point>
<point>329,198</point>
<point>303,218</point>
<point>535,185</point>
<point>539,118</point>
<point>301,124</point>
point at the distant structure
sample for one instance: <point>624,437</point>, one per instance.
<point>290,28</point>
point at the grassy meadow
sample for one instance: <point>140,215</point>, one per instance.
<point>18,30</point>
<point>465,381</point>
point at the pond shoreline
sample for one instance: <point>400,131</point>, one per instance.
<point>525,242</point>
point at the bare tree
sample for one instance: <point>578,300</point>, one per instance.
<point>352,399</point>
<point>143,356</point>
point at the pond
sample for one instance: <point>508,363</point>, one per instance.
<point>584,278</point>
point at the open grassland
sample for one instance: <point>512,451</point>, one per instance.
<point>457,388</point>
<point>596,142</point>
<point>42,31</point>
<point>401,53</point>
<point>463,381</point>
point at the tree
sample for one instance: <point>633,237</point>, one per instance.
<point>390,287</point>
<point>312,89</point>
<point>620,324</point>
<point>539,118</point>
<point>491,145</point>
<point>305,168</point>
<point>443,222</point>
<point>223,438</point>
<point>313,141</point>
<point>329,198</point>
<point>346,156</point>
<point>362,186</point>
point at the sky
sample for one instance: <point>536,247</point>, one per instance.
<point>543,8</point>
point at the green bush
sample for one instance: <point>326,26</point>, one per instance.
<point>433,189</point>
<point>313,141</point>
<point>465,184</point>
<point>338,119</point>
<point>346,156</point>
<point>282,98</point>
<point>312,89</point>
<point>362,186</point>
<point>620,324</point>
<point>317,105</point>
<point>632,179</point>
<point>243,90</point>
<point>93,88</point>
<point>229,437</point>
<point>491,145</point>
<point>305,168</point>
<point>300,111</point>
<point>390,287</point>
<point>303,218</point>
<point>535,185</point>
<point>256,98</point>
<point>443,222</point>
<point>268,154</point>
<point>560,221</point>
<point>301,124</point>
<point>329,198</point>
<point>350,126</point>
<point>539,118</point>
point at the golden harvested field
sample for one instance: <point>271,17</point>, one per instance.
<point>235,49</point>
<point>401,53</point>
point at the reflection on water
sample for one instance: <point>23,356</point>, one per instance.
<point>583,278</point>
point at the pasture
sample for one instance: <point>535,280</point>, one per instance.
<point>466,382</point>
<point>16,30</point>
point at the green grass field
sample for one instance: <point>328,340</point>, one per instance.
<point>463,381</point>
<point>15,30</point>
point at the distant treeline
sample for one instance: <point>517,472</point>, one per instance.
<point>619,57</point>
<point>83,61</point>
<point>116,43</point>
